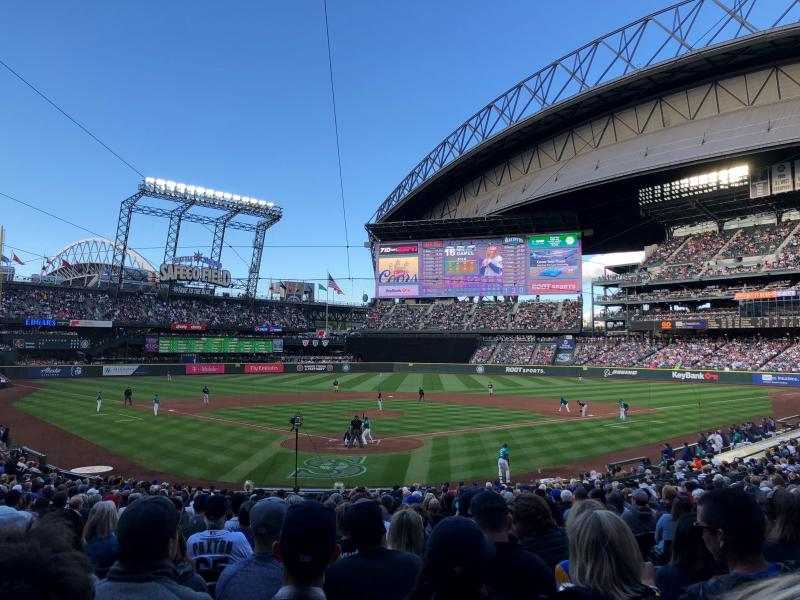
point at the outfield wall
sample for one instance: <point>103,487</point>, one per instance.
<point>638,374</point>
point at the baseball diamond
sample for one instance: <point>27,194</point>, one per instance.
<point>450,437</point>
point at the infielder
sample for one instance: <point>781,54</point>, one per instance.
<point>367,434</point>
<point>169,376</point>
<point>564,404</point>
<point>99,400</point>
<point>156,401</point>
<point>580,376</point>
<point>380,401</point>
<point>490,387</point>
<point>584,407</point>
<point>421,395</point>
<point>623,410</point>
<point>205,395</point>
<point>127,399</point>
<point>335,385</point>
<point>502,465</point>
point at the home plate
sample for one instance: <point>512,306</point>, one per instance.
<point>170,410</point>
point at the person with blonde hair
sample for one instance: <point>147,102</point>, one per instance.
<point>783,587</point>
<point>604,559</point>
<point>406,532</point>
<point>100,536</point>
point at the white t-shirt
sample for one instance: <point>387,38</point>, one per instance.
<point>216,548</point>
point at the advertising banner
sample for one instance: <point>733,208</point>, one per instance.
<point>214,345</point>
<point>776,379</point>
<point>764,294</point>
<point>313,368</point>
<point>187,326</point>
<point>782,178</point>
<point>264,368</point>
<point>685,324</point>
<point>40,323</point>
<point>124,370</point>
<point>268,329</point>
<point>205,369</point>
<point>52,372</point>
<point>89,323</point>
<point>277,345</point>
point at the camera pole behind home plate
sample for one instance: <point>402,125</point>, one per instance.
<point>296,422</point>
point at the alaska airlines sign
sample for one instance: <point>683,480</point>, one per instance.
<point>171,272</point>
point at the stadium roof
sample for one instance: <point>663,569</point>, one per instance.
<point>682,44</point>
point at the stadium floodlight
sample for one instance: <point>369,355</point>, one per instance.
<point>150,180</point>
<point>193,192</point>
<point>190,189</point>
<point>270,204</point>
<point>237,198</point>
<point>170,185</point>
<point>160,182</point>
<point>219,195</point>
<point>200,191</point>
<point>228,196</point>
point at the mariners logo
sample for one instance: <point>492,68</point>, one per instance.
<point>480,369</point>
<point>328,467</point>
<point>346,368</point>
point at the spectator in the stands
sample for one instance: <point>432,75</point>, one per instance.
<point>100,536</point>
<point>147,534</point>
<point>454,563</point>
<point>533,523</point>
<point>604,559</point>
<point>379,571</point>
<point>198,521</point>
<point>43,563</point>
<point>260,575</point>
<point>640,517</point>
<point>783,541</point>
<point>511,572</point>
<point>690,561</point>
<point>733,528</point>
<point>407,532</point>
<point>307,546</point>
<point>679,505</point>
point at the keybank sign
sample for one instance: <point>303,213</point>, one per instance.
<point>690,376</point>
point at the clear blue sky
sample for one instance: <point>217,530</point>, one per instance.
<point>235,96</point>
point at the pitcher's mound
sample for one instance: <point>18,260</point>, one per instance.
<point>320,444</point>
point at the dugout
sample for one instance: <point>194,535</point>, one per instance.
<point>434,348</point>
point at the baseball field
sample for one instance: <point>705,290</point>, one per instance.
<point>454,435</point>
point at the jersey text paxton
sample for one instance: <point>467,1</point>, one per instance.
<point>219,277</point>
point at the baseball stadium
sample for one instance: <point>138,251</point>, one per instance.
<point>575,372</point>
<point>675,136</point>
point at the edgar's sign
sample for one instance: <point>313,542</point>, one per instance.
<point>219,277</point>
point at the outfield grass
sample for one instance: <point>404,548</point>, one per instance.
<point>223,451</point>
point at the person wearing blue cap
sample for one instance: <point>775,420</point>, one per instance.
<point>307,546</point>
<point>260,575</point>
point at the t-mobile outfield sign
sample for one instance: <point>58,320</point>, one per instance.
<point>205,369</point>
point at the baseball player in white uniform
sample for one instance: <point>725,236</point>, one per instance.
<point>169,376</point>
<point>156,402</point>
<point>490,387</point>
<point>503,469</point>
<point>584,407</point>
<point>366,435</point>
<point>380,401</point>
<point>99,400</point>
<point>205,395</point>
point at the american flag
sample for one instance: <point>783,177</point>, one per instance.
<point>333,285</point>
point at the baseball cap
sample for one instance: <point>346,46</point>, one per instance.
<point>487,503</point>
<point>266,518</point>
<point>308,538</point>
<point>640,496</point>
<point>364,523</point>
<point>145,529</point>
<point>464,500</point>
<point>216,507</point>
<point>458,542</point>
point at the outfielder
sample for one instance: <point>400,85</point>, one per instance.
<point>367,434</point>
<point>584,407</point>
<point>421,395</point>
<point>156,401</point>
<point>490,387</point>
<point>564,404</point>
<point>380,401</point>
<point>335,385</point>
<point>623,410</point>
<point>127,399</point>
<point>169,376</point>
<point>99,400</point>
<point>503,461</point>
<point>205,395</point>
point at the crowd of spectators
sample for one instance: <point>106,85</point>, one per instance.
<point>493,316</point>
<point>682,353</point>
<point>447,316</point>
<point>786,361</point>
<point>65,304</point>
<point>663,251</point>
<point>513,353</point>
<point>613,351</point>
<point>687,525</point>
<point>543,353</point>
<point>701,247</point>
<point>536,315</point>
<point>744,354</point>
<point>758,241</point>
<point>484,352</point>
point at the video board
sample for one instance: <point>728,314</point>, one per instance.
<point>505,266</point>
<point>217,345</point>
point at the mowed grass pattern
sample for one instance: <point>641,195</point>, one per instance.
<point>222,451</point>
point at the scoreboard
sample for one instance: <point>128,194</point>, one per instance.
<point>218,345</point>
<point>50,342</point>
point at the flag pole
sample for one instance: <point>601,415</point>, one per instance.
<point>327,300</point>
<point>3,273</point>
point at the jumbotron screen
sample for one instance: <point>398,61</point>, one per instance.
<point>217,345</point>
<point>506,266</point>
